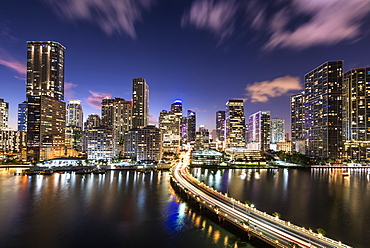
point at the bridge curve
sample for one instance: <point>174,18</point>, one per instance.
<point>255,223</point>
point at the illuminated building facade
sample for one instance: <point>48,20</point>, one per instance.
<point>297,114</point>
<point>202,138</point>
<point>93,120</point>
<point>235,123</point>
<point>45,69</point>
<point>74,114</point>
<point>117,113</point>
<point>46,111</point>
<point>22,116</point>
<point>191,125</point>
<point>12,141</point>
<point>259,131</point>
<point>4,114</point>
<point>140,109</point>
<point>169,124</point>
<point>176,107</point>
<point>323,110</point>
<point>356,113</point>
<point>220,125</point>
<point>101,143</point>
<point>277,130</point>
<point>144,144</point>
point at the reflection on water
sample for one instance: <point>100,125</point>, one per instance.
<point>313,198</point>
<point>118,209</point>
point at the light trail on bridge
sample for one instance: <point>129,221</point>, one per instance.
<point>276,232</point>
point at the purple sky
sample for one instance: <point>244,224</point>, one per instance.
<point>203,52</point>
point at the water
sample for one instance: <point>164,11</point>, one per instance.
<point>118,209</point>
<point>313,198</point>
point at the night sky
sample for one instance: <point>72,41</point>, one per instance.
<point>203,52</point>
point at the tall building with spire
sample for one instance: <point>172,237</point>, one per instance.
<point>140,98</point>
<point>235,124</point>
<point>46,111</point>
<point>4,114</point>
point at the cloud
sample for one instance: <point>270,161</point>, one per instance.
<point>153,120</point>
<point>96,98</point>
<point>262,91</point>
<point>68,92</point>
<point>215,16</point>
<point>328,22</point>
<point>113,16</point>
<point>9,61</point>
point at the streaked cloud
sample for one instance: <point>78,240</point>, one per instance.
<point>112,16</point>
<point>300,24</point>
<point>96,98</point>
<point>263,91</point>
<point>7,60</point>
<point>68,90</point>
<point>216,16</point>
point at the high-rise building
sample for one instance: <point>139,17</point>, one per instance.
<point>4,114</point>
<point>202,138</point>
<point>259,131</point>
<point>12,141</point>
<point>356,114</point>
<point>93,120</point>
<point>140,97</point>
<point>220,125</point>
<point>323,110</point>
<point>176,107</point>
<point>235,123</point>
<point>45,128</point>
<point>45,69</point>
<point>191,125</point>
<point>74,114</point>
<point>46,112</point>
<point>277,130</point>
<point>117,113</point>
<point>22,116</point>
<point>144,144</point>
<point>297,115</point>
<point>169,124</point>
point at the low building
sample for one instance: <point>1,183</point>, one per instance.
<point>284,146</point>
<point>244,154</point>
<point>101,143</point>
<point>206,157</point>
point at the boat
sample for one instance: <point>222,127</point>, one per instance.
<point>84,171</point>
<point>99,171</point>
<point>346,174</point>
<point>30,172</point>
<point>47,172</point>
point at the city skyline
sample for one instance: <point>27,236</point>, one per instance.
<point>230,53</point>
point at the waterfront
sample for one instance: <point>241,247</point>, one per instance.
<point>117,209</point>
<point>312,198</point>
<point>130,209</point>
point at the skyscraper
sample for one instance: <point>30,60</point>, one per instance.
<point>74,114</point>
<point>277,130</point>
<point>297,104</point>
<point>169,124</point>
<point>356,113</point>
<point>176,107</point>
<point>323,110</point>
<point>191,125</point>
<point>235,123</point>
<point>140,97</point>
<point>259,131</point>
<point>117,113</point>
<point>46,112</point>
<point>22,116</point>
<point>220,125</point>
<point>93,120</point>
<point>4,114</point>
<point>45,69</point>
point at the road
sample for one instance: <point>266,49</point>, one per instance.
<point>281,232</point>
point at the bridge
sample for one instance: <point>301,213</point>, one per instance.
<point>245,218</point>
